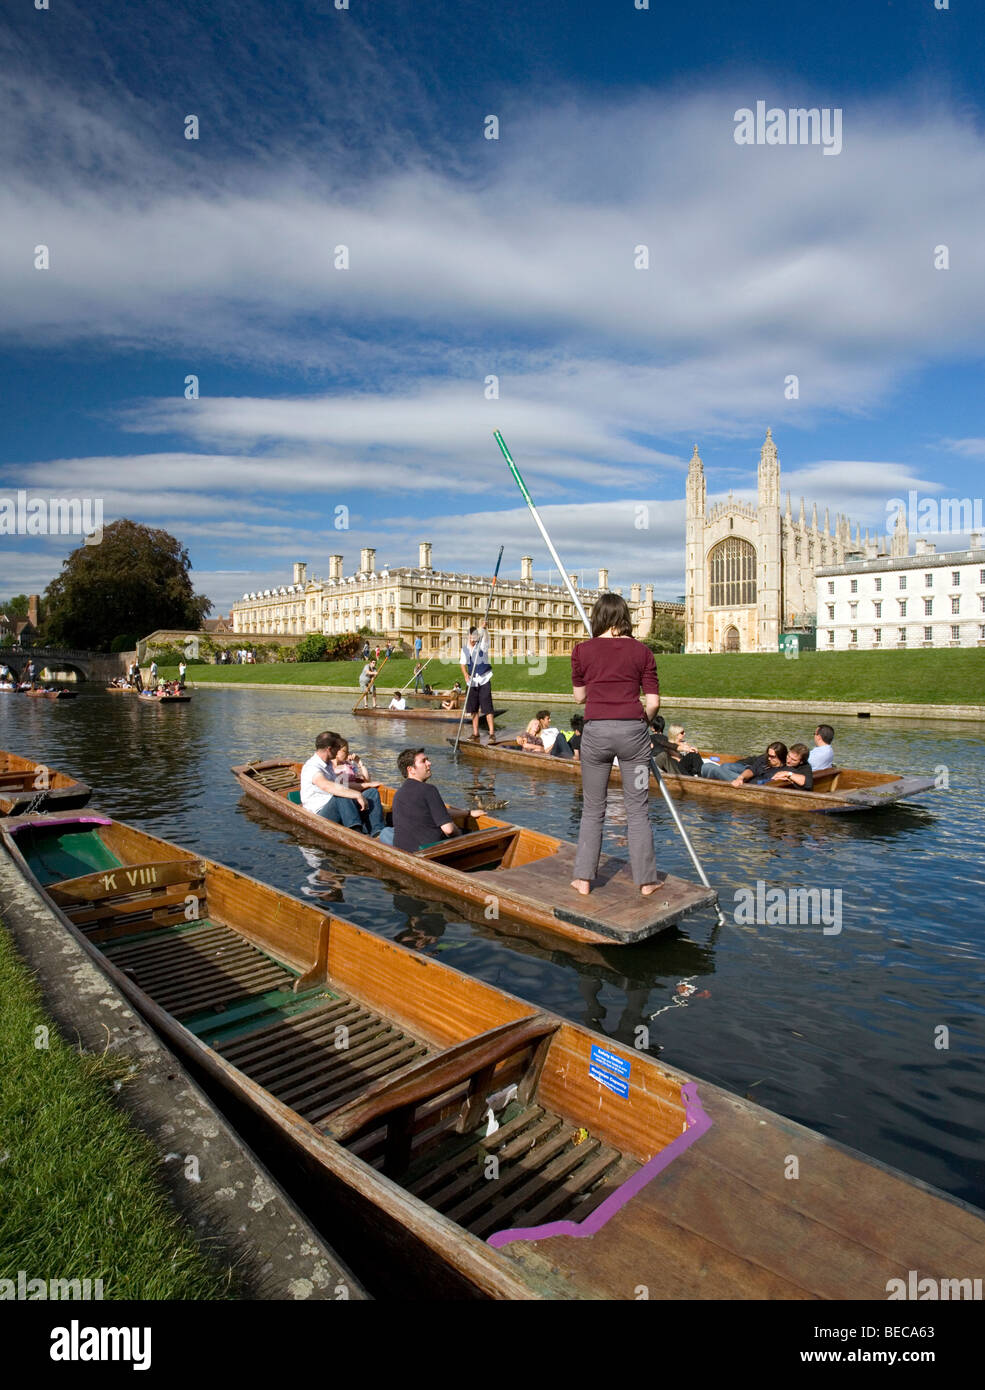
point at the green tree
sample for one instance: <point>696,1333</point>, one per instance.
<point>137,579</point>
<point>666,633</point>
<point>311,648</point>
<point>15,607</point>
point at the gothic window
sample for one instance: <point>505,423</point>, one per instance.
<point>732,573</point>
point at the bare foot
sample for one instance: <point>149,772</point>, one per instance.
<point>647,888</point>
<point>582,886</point>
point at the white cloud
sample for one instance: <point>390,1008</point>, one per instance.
<point>763,262</point>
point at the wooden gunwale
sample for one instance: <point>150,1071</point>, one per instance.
<point>851,793</point>
<point>538,861</point>
<point>718,1222</point>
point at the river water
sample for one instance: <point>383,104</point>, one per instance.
<point>873,1033</point>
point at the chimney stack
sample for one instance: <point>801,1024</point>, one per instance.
<point>649,593</point>
<point>634,593</point>
<point>300,572</point>
<point>367,560</point>
<point>603,581</point>
<point>526,568</point>
<point>424,555</point>
<point>32,609</point>
<point>335,566</point>
<point>974,540</point>
<point>574,580</point>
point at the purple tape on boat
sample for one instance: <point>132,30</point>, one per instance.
<point>696,1124</point>
<point>59,821</point>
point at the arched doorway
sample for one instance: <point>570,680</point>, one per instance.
<point>730,642</point>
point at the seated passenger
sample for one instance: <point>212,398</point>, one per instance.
<point>798,774</point>
<point>573,735</point>
<point>530,740</point>
<point>754,770</point>
<point>325,789</point>
<point>822,754</point>
<point>398,701</point>
<point>671,753</point>
<point>420,817</point>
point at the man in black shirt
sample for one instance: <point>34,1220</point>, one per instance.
<point>420,817</point>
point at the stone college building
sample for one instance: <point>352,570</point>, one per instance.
<point>750,569</point>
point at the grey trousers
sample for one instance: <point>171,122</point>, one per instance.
<point>629,741</point>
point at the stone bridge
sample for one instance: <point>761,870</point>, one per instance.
<point>75,665</point>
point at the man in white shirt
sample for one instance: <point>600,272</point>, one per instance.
<point>822,754</point>
<point>321,786</point>
<point>398,701</point>
<point>474,661</point>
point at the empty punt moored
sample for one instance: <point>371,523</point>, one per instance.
<point>525,872</point>
<point>836,790</point>
<point>387,1074</point>
<point>25,784</point>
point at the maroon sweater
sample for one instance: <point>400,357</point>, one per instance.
<point>614,669</point>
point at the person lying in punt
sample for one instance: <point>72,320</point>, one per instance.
<point>787,768</point>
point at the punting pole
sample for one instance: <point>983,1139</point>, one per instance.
<point>492,586</point>
<point>588,628</point>
<point>371,686</point>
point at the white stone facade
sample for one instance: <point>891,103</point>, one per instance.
<point>900,600</point>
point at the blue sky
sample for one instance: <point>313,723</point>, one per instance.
<point>471,258</point>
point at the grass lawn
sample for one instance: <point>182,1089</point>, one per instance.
<point>80,1193</point>
<point>953,676</point>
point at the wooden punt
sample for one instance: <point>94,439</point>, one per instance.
<point>147,699</point>
<point>526,873</point>
<point>28,785</point>
<point>610,1175</point>
<point>837,790</point>
<point>441,716</point>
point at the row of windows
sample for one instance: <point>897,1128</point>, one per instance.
<point>928,634</point>
<point>928,607</point>
<point>928,581</point>
<point>515,605</point>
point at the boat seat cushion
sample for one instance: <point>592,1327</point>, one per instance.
<point>294,797</point>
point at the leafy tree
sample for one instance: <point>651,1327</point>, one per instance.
<point>311,648</point>
<point>135,580</point>
<point>666,633</point>
<point>14,607</point>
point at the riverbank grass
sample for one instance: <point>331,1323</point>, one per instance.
<point>80,1195</point>
<point>950,676</point>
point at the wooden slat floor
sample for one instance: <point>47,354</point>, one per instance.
<point>198,968</point>
<point>544,1170</point>
<point>318,1060</point>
